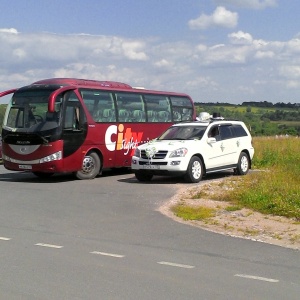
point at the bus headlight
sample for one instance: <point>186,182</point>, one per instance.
<point>52,157</point>
<point>181,152</point>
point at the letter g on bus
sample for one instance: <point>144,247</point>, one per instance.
<point>110,145</point>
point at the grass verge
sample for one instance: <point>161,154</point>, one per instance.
<point>274,189</point>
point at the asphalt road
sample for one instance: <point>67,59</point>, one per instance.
<point>63,238</point>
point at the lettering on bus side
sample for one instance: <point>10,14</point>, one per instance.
<point>127,140</point>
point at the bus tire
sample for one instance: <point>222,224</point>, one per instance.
<point>143,176</point>
<point>91,165</point>
<point>194,171</point>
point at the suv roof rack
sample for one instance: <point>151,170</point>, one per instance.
<point>205,117</point>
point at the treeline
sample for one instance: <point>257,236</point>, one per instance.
<point>252,104</point>
<point>261,121</point>
<point>269,104</point>
<point>281,115</point>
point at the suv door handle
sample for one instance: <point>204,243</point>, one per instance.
<point>222,147</point>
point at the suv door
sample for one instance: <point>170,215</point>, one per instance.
<point>213,154</point>
<point>241,139</point>
<point>223,148</point>
<point>229,145</point>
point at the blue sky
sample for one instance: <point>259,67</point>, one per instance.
<point>214,50</point>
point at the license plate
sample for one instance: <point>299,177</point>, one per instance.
<point>25,167</point>
<point>151,167</point>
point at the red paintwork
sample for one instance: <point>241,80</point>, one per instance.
<point>2,94</point>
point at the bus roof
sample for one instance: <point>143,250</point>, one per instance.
<point>82,83</point>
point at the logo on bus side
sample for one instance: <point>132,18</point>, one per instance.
<point>127,140</point>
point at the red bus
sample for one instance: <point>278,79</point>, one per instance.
<point>84,126</point>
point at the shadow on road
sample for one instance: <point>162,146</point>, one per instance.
<point>10,176</point>
<point>176,179</point>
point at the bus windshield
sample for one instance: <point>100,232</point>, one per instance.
<point>28,111</point>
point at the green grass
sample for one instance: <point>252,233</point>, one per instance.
<point>192,213</point>
<point>274,186</point>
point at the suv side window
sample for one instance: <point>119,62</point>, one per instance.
<point>214,133</point>
<point>239,131</point>
<point>225,132</point>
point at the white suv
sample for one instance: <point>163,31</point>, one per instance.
<point>194,149</point>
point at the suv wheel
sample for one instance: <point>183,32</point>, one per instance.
<point>243,164</point>
<point>194,171</point>
<point>143,176</point>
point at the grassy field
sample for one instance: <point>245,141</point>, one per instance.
<point>273,188</point>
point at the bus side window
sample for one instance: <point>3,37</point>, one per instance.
<point>163,116</point>
<point>130,107</point>
<point>138,116</point>
<point>152,116</point>
<point>99,104</point>
<point>182,108</point>
<point>158,108</point>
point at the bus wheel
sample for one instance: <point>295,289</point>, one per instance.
<point>42,174</point>
<point>143,176</point>
<point>90,167</point>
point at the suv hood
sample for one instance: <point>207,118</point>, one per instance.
<point>167,144</point>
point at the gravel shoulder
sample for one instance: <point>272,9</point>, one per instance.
<point>243,223</point>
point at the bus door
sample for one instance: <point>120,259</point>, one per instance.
<point>74,127</point>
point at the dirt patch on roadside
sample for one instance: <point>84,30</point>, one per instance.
<point>243,223</point>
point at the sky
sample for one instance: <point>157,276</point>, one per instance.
<point>214,50</point>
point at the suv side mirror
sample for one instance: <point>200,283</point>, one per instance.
<point>211,140</point>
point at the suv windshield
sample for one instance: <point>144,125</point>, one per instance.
<point>28,110</point>
<point>190,132</point>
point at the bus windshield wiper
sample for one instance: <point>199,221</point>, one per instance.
<point>45,141</point>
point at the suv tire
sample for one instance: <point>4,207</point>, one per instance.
<point>143,176</point>
<point>243,164</point>
<point>194,171</point>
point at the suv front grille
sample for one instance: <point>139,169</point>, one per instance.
<point>156,163</point>
<point>159,155</point>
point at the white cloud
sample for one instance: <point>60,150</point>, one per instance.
<point>19,53</point>
<point>245,89</point>
<point>252,4</point>
<point>240,38</point>
<point>9,30</point>
<point>264,54</point>
<point>221,17</point>
<point>291,72</point>
<point>133,50</point>
<point>203,82</point>
<point>216,72</point>
<point>163,63</point>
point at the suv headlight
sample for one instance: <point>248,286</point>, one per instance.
<point>137,152</point>
<point>181,152</point>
